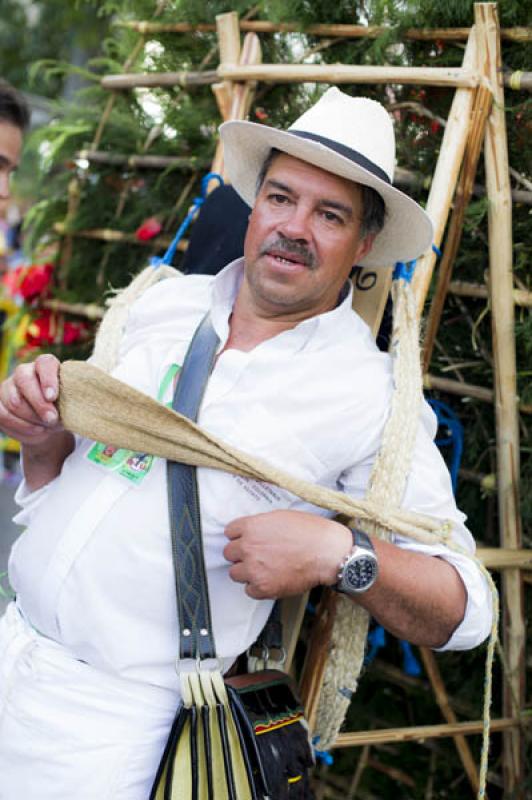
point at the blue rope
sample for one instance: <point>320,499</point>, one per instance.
<point>411,665</point>
<point>448,419</point>
<point>404,270</point>
<point>197,203</point>
<point>325,756</point>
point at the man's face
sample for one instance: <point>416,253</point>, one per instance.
<point>303,239</point>
<point>10,148</point>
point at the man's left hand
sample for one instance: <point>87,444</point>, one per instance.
<point>282,553</point>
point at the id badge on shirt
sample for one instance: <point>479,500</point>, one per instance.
<point>130,465</point>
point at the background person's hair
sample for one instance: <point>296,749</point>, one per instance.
<point>13,106</point>
<point>373,208</point>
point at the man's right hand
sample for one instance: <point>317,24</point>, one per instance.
<point>28,413</point>
<point>27,410</point>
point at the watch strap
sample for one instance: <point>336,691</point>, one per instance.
<point>361,539</point>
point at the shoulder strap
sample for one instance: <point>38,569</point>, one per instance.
<point>196,637</point>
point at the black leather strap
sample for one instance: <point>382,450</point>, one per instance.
<point>196,639</point>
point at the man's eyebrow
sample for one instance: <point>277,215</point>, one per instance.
<point>347,210</point>
<point>279,185</point>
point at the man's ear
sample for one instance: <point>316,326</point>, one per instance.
<point>364,247</point>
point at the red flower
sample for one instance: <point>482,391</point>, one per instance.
<point>46,329</point>
<point>149,228</point>
<point>29,282</point>
<point>74,331</point>
<point>435,126</point>
<point>42,330</point>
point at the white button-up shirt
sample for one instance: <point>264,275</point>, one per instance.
<point>93,570</point>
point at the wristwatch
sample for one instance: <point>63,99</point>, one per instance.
<point>359,569</point>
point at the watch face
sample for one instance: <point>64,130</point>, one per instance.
<point>360,573</point>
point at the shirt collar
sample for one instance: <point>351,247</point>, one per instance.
<point>224,290</point>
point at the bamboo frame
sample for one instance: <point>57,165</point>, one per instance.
<point>418,733</point>
<point>516,34</point>
<point>464,190</point>
<point>445,175</point>
<point>507,427</point>
<point>346,73</point>
<point>521,297</point>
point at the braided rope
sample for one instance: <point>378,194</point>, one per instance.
<point>386,488</point>
<point>112,326</point>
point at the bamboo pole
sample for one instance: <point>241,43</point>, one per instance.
<point>228,31</point>
<point>521,297</point>
<point>518,81</point>
<point>507,427</point>
<point>65,251</point>
<point>464,190</point>
<point>416,180</point>
<point>88,310</point>
<point>346,73</point>
<point>501,558</point>
<point>241,94</point>
<point>334,31</point>
<point>222,95</point>
<point>466,390</point>
<point>442,699</point>
<point>151,80</point>
<point>317,655</point>
<point>138,161</point>
<point>403,177</point>
<point>486,480</point>
<point>418,733</point>
<point>446,174</point>
<point>110,235</point>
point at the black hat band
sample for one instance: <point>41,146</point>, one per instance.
<point>346,152</point>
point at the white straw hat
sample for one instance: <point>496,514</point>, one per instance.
<point>349,136</point>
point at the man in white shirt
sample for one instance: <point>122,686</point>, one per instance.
<point>87,653</point>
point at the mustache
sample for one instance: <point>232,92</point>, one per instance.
<point>290,247</point>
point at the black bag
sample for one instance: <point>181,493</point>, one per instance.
<point>274,733</point>
<point>245,737</point>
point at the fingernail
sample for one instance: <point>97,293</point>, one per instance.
<point>49,393</point>
<point>15,399</point>
<point>50,417</point>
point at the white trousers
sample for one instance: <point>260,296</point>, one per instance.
<point>68,730</point>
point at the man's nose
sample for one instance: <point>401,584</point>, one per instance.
<point>296,224</point>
